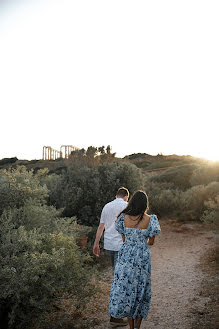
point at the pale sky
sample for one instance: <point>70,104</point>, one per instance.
<point>141,76</point>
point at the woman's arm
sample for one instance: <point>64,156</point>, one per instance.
<point>150,241</point>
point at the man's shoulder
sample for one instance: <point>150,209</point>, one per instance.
<point>115,203</point>
<point>119,204</point>
<point>122,201</point>
<point>109,204</point>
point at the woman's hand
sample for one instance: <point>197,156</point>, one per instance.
<point>150,241</point>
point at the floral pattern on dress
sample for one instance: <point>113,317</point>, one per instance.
<point>130,294</point>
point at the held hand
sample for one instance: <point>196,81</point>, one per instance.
<point>150,241</point>
<point>96,250</point>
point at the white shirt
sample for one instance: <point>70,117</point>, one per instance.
<point>112,238</point>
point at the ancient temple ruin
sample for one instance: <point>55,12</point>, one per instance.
<point>51,154</point>
<point>65,150</point>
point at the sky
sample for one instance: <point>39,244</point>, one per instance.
<point>141,76</point>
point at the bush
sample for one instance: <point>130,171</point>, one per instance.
<point>205,174</point>
<point>7,161</point>
<point>142,164</point>
<point>136,156</point>
<point>77,191</point>
<point>114,175</point>
<point>194,202</point>
<point>53,182</point>
<point>19,185</point>
<point>163,199</point>
<point>211,214</point>
<point>39,256</point>
<point>179,177</point>
<point>83,191</point>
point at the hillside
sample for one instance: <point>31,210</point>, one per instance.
<point>148,163</point>
<point>52,165</point>
<point>43,215</point>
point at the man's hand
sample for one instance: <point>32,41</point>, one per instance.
<point>96,250</point>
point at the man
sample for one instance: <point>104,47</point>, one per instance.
<point>112,238</point>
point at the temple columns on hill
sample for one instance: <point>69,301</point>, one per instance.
<point>65,150</point>
<point>50,154</point>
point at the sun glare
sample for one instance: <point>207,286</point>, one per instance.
<point>212,157</point>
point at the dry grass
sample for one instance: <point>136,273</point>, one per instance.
<point>209,317</point>
<point>65,314</point>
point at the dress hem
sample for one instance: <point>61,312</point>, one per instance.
<point>125,315</point>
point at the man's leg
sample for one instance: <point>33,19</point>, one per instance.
<point>113,255</point>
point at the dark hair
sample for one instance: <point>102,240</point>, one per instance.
<point>137,205</point>
<point>122,191</point>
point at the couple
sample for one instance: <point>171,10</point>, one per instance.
<point>129,230</point>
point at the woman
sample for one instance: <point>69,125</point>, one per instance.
<point>131,288</point>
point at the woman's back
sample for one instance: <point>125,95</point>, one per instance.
<point>135,234</point>
<point>132,222</point>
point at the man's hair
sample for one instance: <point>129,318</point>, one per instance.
<point>122,192</point>
<point>137,206</point>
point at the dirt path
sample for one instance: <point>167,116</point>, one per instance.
<point>176,280</point>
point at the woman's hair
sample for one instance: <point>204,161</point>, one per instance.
<point>137,205</point>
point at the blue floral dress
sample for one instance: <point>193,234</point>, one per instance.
<point>130,294</point>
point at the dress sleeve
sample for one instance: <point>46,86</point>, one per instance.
<point>119,224</point>
<point>155,226</point>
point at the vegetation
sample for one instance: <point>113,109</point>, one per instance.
<point>188,192</point>
<point>7,161</point>
<point>46,205</point>
<point>89,182</point>
<point>39,255</point>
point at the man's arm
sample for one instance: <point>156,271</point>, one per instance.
<point>96,248</point>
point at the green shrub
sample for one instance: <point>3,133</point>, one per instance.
<point>7,161</point>
<point>211,214</point>
<point>83,191</point>
<point>179,177</point>
<point>19,185</point>
<point>117,174</point>
<point>194,202</point>
<point>53,182</point>
<point>142,164</point>
<point>39,255</point>
<point>163,199</point>
<point>205,174</point>
<point>137,156</point>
